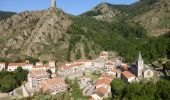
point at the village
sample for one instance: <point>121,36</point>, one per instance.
<point>94,76</point>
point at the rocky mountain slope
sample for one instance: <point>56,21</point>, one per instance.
<point>27,33</point>
<point>157,19</point>
<point>104,12</point>
<point>152,14</point>
<point>42,34</point>
<point>54,35</point>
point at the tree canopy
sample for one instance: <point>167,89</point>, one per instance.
<point>141,91</point>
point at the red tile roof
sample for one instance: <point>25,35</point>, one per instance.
<point>125,66</point>
<point>103,81</point>
<point>48,84</point>
<point>110,76</point>
<point>38,73</point>
<point>116,70</point>
<point>18,64</point>
<point>109,63</point>
<point>127,74</point>
<point>102,90</point>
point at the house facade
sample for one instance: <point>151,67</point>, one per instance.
<point>102,87</point>
<point>14,66</point>
<point>128,77</point>
<point>36,76</point>
<point>53,86</point>
<point>71,69</point>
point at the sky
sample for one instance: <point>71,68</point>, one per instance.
<point>74,7</point>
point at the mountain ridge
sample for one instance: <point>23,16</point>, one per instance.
<point>55,35</point>
<point>145,12</point>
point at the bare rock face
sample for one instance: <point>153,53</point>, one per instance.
<point>104,12</point>
<point>156,21</point>
<point>107,13</point>
<point>28,32</point>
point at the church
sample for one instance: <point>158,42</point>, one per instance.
<point>140,69</point>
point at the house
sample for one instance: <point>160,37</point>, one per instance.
<point>103,82</point>
<point>50,66</point>
<point>68,70</point>
<point>40,67</point>
<point>53,86</point>
<point>97,96</point>
<point>108,65</point>
<point>128,77</point>
<point>36,76</point>
<point>39,63</point>
<point>124,67</point>
<point>14,66</point>
<point>109,76</point>
<point>2,65</point>
<point>115,72</point>
<point>102,86</point>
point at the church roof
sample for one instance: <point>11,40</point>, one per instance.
<point>140,57</point>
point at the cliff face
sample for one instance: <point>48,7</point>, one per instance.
<point>27,33</point>
<point>157,19</point>
<point>42,34</point>
<point>104,12</point>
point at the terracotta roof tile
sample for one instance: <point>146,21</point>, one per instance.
<point>127,74</point>
<point>116,70</point>
<point>38,73</point>
<point>110,76</point>
<point>102,90</point>
<point>18,64</point>
<point>109,63</point>
<point>125,66</point>
<point>103,81</point>
<point>48,84</point>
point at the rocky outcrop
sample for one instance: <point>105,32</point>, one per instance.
<point>104,12</point>
<point>28,32</point>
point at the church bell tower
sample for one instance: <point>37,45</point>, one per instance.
<point>140,65</point>
<point>53,3</point>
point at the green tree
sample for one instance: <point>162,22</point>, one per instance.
<point>8,83</point>
<point>20,75</point>
<point>118,86</point>
<point>167,65</point>
<point>76,91</point>
<point>163,90</point>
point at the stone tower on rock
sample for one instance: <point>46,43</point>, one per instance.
<point>53,3</point>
